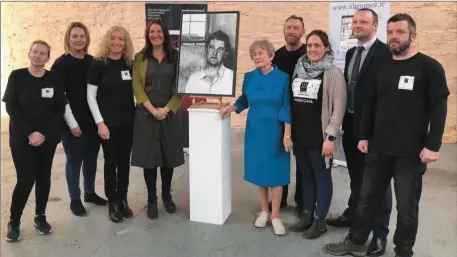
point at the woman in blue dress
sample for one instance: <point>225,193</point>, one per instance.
<point>267,140</point>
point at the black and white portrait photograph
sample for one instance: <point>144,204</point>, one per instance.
<point>208,54</point>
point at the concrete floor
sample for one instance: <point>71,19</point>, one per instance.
<point>175,236</point>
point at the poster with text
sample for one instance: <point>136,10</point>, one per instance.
<point>170,14</point>
<point>340,25</point>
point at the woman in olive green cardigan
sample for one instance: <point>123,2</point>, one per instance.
<point>157,129</point>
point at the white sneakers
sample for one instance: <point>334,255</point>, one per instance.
<point>262,221</point>
<point>278,227</point>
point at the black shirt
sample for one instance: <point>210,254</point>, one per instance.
<point>306,110</point>
<point>286,60</point>
<point>115,93</point>
<point>408,95</point>
<point>73,73</point>
<point>34,105</point>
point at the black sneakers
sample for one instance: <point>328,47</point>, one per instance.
<point>13,233</point>
<point>345,247</point>
<point>42,225</point>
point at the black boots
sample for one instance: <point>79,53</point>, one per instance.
<point>114,212</point>
<point>305,222</point>
<point>168,203</point>
<point>316,230</point>
<point>125,209</point>
<point>119,210</point>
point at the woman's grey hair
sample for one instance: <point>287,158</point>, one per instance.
<point>264,44</point>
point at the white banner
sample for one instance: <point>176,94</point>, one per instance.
<point>340,25</point>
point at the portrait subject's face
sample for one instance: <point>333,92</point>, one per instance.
<point>216,52</point>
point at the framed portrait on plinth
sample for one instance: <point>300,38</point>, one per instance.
<point>208,54</point>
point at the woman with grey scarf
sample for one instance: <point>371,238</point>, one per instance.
<point>318,107</point>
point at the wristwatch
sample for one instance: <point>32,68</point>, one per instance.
<point>331,138</point>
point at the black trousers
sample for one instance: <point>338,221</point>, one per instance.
<point>356,165</point>
<point>33,166</point>
<point>407,173</point>
<point>298,192</point>
<point>150,177</point>
<point>117,151</point>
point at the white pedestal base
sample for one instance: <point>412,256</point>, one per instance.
<point>209,166</point>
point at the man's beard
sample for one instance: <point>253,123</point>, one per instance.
<point>292,40</point>
<point>403,47</point>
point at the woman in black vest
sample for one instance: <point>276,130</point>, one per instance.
<point>110,98</point>
<point>35,102</point>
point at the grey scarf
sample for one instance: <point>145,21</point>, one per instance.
<point>308,70</point>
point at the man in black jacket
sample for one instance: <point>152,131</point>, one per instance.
<point>286,58</point>
<point>369,54</point>
<point>401,131</point>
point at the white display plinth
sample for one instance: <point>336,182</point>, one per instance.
<point>209,166</point>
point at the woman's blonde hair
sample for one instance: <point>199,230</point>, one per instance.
<point>73,25</point>
<point>264,44</point>
<point>103,49</point>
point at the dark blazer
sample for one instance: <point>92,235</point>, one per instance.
<point>378,53</point>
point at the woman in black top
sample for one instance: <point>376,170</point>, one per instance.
<point>110,97</point>
<point>35,102</point>
<point>79,132</point>
<point>318,108</point>
<point>157,137</point>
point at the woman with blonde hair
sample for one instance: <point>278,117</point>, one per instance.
<point>78,130</point>
<point>110,98</point>
<point>157,137</point>
<point>267,141</point>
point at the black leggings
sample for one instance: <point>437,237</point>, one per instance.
<point>33,167</point>
<point>150,177</point>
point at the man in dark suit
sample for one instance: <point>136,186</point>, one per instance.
<point>359,71</point>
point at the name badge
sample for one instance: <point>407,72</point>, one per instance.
<point>47,92</point>
<point>406,83</point>
<point>308,89</point>
<point>126,75</point>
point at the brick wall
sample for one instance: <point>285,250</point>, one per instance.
<point>48,21</point>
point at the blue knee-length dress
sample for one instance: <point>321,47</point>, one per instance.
<point>266,163</point>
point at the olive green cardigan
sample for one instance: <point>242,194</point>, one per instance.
<point>139,80</point>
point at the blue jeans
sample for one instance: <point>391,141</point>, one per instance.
<point>316,181</point>
<point>81,151</point>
